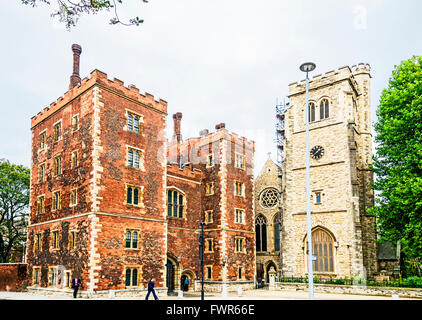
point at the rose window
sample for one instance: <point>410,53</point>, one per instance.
<point>269,198</point>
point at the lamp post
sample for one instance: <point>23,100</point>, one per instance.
<point>201,257</point>
<point>308,67</point>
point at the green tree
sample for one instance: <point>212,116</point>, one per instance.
<point>14,201</point>
<point>398,159</point>
<point>69,11</point>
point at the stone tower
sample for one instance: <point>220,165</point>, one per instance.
<point>343,234</point>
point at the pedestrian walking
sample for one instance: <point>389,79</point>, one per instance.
<point>186,284</point>
<point>151,289</point>
<point>76,282</point>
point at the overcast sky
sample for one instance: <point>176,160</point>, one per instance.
<point>214,61</point>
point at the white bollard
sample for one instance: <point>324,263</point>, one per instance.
<point>224,292</point>
<point>239,291</point>
<point>111,294</point>
<point>180,294</point>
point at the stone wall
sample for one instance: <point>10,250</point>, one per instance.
<point>356,289</point>
<point>268,180</point>
<point>13,276</point>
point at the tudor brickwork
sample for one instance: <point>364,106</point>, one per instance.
<point>104,215</point>
<point>214,155</point>
<point>101,217</point>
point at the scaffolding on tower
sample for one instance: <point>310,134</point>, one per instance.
<point>280,109</point>
<point>280,141</point>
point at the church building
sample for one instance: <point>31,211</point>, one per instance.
<point>343,233</point>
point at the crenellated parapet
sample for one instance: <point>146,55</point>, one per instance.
<point>331,77</point>
<point>361,68</point>
<point>99,78</point>
<point>187,171</point>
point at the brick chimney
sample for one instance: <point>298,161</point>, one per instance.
<point>203,133</point>
<point>220,126</point>
<point>75,79</point>
<point>177,118</point>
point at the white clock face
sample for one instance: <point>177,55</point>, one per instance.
<point>317,152</point>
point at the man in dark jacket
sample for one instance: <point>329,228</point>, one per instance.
<point>76,282</point>
<point>151,289</point>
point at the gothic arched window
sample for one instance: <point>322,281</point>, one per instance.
<point>261,233</point>
<point>277,227</point>
<point>311,111</point>
<point>324,109</point>
<point>323,249</point>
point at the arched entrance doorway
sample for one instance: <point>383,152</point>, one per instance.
<point>183,286</point>
<point>173,268</point>
<point>267,269</point>
<point>170,268</point>
<point>190,285</point>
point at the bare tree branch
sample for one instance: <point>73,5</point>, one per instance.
<point>69,11</point>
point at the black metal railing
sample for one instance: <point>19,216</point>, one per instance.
<point>412,282</point>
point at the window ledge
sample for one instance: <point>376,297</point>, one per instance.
<point>178,218</point>
<point>135,205</point>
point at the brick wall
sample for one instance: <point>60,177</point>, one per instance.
<point>102,215</point>
<point>12,276</point>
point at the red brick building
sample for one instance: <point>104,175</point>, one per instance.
<point>213,175</point>
<point>114,203</point>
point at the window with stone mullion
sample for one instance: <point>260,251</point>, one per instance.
<point>175,204</point>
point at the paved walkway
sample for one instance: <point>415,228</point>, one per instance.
<point>259,294</point>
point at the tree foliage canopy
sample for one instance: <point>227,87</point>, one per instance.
<point>14,201</point>
<point>398,160</point>
<point>69,11</point>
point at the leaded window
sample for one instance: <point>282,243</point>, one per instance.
<point>133,195</point>
<point>136,124</point>
<point>131,277</point>
<point>136,161</point>
<point>311,112</point>
<point>324,109</point>
<point>239,188</point>
<point>73,197</point>
<point>130,122</point>
<point>57,131</point>
<point>75,122</point>
<point>239,216</point>
<point>175,204</point>
<point>240,245</point>
<point>57,165</point>
<point>134,158</point>
<point>239,161</point>
<point>323,250</point>
<point>277,227</point>
<point>56,205</point>
<point>131,239</point>
<point>43,140</point>
<point>130,158</point>
<point>41,204</point>
<point>261,234</point>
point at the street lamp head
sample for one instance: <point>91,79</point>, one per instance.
<point>307,67</point>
